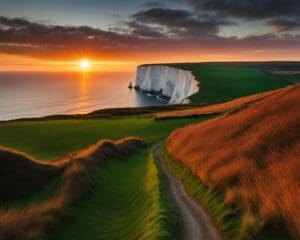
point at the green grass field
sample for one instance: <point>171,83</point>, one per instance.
<point>126,202</point>
<point>220,82</point>
<point>293,78</point>
<point>128,199</point>
<point>49,139</point>
<point>125,191</point>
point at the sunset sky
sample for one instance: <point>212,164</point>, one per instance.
<point>116,35</point>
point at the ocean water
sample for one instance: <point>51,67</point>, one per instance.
<point>24,95</point>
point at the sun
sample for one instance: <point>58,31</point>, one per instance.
<point>85,64</point>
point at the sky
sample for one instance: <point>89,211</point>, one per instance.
<point>115,35</point>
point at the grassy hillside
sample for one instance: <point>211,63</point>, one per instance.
<point>20,175</point>
<point>49,139</point>
<point>220,82</point>
<point>253,156</point>
<point>126,202</point>
<point>36,220</point>
<point>221,108</point>
<point>124,190</point>
<point>228,219</point>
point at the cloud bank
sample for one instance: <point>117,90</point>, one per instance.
<point>156,29</point>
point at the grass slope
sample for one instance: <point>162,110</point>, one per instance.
<point>36,220</point>
<point>220,82</point>
<point>125,190</point>
<point>253,156</point>
<point>49,139</point>
<point>126,202</point>
<point>228,107</point>
<point>21,175</point>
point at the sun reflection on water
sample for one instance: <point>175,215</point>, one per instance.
<point>83,93</point>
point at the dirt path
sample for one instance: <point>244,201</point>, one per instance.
<point>196,222</point>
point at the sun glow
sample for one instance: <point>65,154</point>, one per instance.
<point>85,64</point>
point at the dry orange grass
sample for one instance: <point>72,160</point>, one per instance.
<point>36,220</point>
<point>253,155</point>
<point>231,106</point>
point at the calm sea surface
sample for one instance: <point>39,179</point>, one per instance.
<point>24,95</point>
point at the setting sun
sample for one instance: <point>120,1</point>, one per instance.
<point>84,64</point>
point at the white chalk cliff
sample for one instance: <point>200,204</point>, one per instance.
<point>175,83</point>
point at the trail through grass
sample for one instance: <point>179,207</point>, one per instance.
<point>126,202</point>
<point>228,219</point>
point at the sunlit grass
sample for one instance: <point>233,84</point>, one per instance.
<point>252,156</point>
<point>228,220</point>
<point>220,82</point>
<point>126,202</point>
<point>49,139</point>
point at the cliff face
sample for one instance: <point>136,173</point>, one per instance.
<point>173,82</point>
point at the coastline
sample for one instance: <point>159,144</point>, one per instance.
<point>173,84</point>
<point>158,94</point>
<point>109,112</point>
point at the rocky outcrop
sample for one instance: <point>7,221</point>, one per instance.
<point>174,83</point>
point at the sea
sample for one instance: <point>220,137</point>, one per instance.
<point>39,94</point>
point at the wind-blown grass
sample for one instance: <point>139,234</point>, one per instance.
<point>39,219</point>
<point>126,202</point>
<point>137,177</point>
<point>253,156</point>
<point>227,107</point>
<point>227,219</point>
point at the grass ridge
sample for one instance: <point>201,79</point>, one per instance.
<point>36,221</point>
<point>128,202</point>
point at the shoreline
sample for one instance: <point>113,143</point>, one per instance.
<point>108,112</point>
<point>153,93</point>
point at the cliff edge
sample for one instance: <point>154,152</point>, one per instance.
<point>174,83</point>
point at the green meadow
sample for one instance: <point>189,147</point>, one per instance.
<point>127,202</point>
<point>50,139</point>
<point>128,199</point>
<point>221,82</point>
